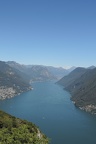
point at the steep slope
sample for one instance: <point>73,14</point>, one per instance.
<point>33,72</point>
<point>58,72</point>
<point>17,66</point>
<point>10,82</point>
<point>71,69</point>
<point>83,91</point>
<point>75,74</point>
<point>16,131</point>
<point>81,83</point>
<point>91,67</point>
<point>20,69</point>
<point>40,73</point>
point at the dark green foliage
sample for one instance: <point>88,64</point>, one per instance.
<point>84,89</point>
<point>82,86</point>
<point>17,131</point>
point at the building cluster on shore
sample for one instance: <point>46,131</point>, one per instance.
<point>7,92</point>
<point>89,108</point>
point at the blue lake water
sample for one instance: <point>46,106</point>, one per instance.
<point>50,108</point>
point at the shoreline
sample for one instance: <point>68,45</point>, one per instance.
<point>9,92</point>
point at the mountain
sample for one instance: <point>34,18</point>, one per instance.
<point>17,66</point>
<point>72,76</point>
<point>91,67</point>
<point>83,91</point>
<point>71,69</point>
<point>33,72</point>
<point>20,70</point>
<point>81,83</point>
<point>16,131</point>
<point>15,78</point>
<point>58,72</point>
<point>11,83</point>
<point>40,72</point>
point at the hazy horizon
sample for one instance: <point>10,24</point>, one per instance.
<point>66,67</point>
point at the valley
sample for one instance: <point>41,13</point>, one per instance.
<point>16,78</point>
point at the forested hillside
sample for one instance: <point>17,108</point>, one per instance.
<point>71,77</point>
<point>16,131</point>
<point>82,87</point>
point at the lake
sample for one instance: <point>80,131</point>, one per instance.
<point>50,108</point>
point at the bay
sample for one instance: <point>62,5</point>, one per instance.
<point>48,105</point>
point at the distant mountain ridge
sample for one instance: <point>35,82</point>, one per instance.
<point>34,72</point>
<point>81,83</point>
<point>75,74</point>
<point>15,78</point>
<point>58,72</point>
<point>11,83</point>
<point>91,67</point>
<point>40,72</point>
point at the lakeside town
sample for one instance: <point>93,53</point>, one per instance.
<point>7,92</point>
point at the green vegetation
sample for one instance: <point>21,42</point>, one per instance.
<point>81,83</point>
<point>71,77</point>
<point>84,89</point>
<point>13,130</point>
<point>16,131</point>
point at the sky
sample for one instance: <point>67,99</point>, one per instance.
<point>59,33</point>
